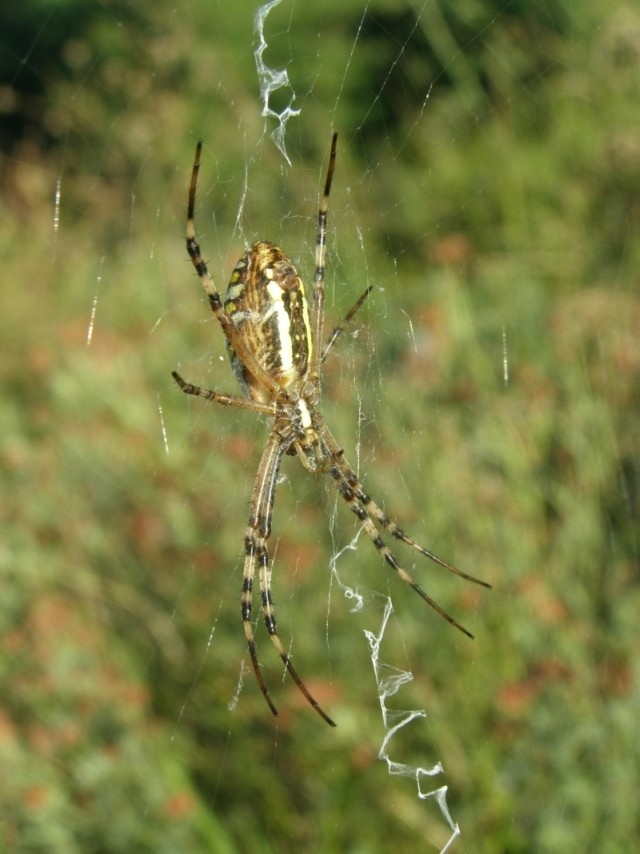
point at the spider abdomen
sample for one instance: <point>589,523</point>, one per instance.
<point>267,303</point>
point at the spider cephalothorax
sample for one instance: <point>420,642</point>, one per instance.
<point>274,340</point>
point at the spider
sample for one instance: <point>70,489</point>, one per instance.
<point>274,342</point>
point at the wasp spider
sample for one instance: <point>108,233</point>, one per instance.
<point>275,344</point>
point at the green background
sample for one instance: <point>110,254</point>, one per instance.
<point>487,185</point>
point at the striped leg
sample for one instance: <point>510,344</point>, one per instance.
<point>339,329</point>
<point>367,511</point>
<point>257,554</point>
<point>244,353</point>
<point>225,399</point>
<point>317,308</point>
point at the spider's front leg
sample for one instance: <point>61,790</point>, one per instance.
<point>257,554</point>
<point>244,352</point>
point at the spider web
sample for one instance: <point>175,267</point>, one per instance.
<point>389,679</point>
<point>271,80</point>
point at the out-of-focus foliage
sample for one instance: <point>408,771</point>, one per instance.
<point>487,185</point>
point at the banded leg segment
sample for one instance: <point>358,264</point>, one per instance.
<point>367,511</point>
<point>257,554</point>
<point>339,329</point>
<point>389,525</point>
<point>224,399</point>
<point>317,308</point>
<point>245,354</point>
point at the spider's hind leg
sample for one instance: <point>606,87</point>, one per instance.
<point>389,525</point>
<point>257,552</point>
<point>257,555</point>
<point>367,510</point>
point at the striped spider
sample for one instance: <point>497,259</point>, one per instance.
<point>274,341</point>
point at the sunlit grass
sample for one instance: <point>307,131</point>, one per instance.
<point>487,398</point>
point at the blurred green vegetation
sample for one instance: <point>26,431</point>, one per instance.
<point>488,186</point>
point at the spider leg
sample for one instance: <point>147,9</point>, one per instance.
<point>244,352</point>
<point>339,329</point>
<point>257,554</point>
<point>317,308</point>
<point>389,525</point>
<point>225,399</point>
<point>364,508</point>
